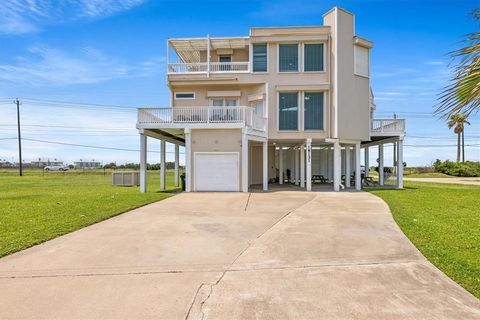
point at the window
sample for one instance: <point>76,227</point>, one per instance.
<point>259,58</point>
<point>224,58</point>
<point>313,111</point>
<point>258,108</point>
<point>223,113</point>
<point>361,61</point>
<point>287,57</point>
<point>184,95</point>
<point>288,111</point>
<point>313,57</point>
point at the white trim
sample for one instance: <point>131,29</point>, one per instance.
<point>177,166</point>
<point>163,149</point>
<point>302,166</point>
<point>400,163</point>
<point>335,83</point>
<point>188,160</point>
<point>347,166</point>
<point>280,165</point>
<point>177,98</point>
<point>244,167</point>
<point>143,163</point>
<point>358,176</point>
<point>210,153</point>
<point>381,177</point>
<point>309,164</point>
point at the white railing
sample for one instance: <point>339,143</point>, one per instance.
<point>203,115</point>
<point>386,126</point>
<point>203,67</point>
<point>200,67</point>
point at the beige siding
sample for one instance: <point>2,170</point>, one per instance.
<point>256,164</point>
<point>353,91</point>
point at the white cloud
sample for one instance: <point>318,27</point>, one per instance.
<point>46,66</point>
<point>24,16</point>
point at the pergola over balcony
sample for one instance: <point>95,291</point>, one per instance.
<point>194,55</point>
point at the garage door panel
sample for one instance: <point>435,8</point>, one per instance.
<point>216,171</point>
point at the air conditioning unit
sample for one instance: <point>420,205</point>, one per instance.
<point>126,178</point>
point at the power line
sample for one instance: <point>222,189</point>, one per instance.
<point>89,146</point>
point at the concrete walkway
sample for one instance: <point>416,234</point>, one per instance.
<point>473,181</point>
<point>278,255</point>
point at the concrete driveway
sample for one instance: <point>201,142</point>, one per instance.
<point>278,255</point>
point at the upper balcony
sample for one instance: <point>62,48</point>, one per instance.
<point>208,55</point>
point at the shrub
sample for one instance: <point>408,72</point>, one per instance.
<point>459,169</point>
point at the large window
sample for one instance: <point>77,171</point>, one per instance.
<point>313,57</point>
<point>259,58</point>
<point>288,111</point>
<point>287,57</point>
<point>313,111</point>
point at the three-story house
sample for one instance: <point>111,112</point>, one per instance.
<point>283,104</point>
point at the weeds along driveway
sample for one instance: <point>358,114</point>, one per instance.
<point>275,255</point>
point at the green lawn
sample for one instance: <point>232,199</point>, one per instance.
<point>35,208</point>
<point>443,221</point>
<point>428,175</point>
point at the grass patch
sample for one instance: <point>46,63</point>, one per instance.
<point>443,221</point>
<point>36,208</point>
<point>428,175</point>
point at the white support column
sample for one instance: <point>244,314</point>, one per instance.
<point>297,165</point>
<point>177,165</point>
<point>162,164</point>
<point>143,163</point>
<point>265,166</point>
<point>380,164</point>
<point>347,166</point>
<point>188,160</point>
<point>400,164</point>
<point>367,162</point>
<point>358,176</point>
<point>280,165</point>
<point>337,166</point>
<point>244,162</point>
<point>302,166</point>
<point>309,164</point>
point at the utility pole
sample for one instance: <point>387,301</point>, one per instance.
<point>20,166</point>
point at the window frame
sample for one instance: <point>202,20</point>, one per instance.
<point>355,47</point>
<point>251,57</point>
<point>324,57</point>
<point>299,124</point>
<point>177,98</point>
<point>299,59</point>
<point>324,124</point>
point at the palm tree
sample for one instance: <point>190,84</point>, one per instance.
<point>462,95</point>
<point>458,121</point>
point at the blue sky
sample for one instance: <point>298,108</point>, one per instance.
<point>113,53</point>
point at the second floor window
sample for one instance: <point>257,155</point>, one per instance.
<point>288,111</point>
<point>288,57</point>
<point>313,57</point>
<point>313,111</point>
<point>259,58</point>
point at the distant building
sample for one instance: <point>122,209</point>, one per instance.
<point>6,164</point>
<point>42,162</point>
<point>87,164</point>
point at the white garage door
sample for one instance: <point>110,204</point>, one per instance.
<point>216,171</point>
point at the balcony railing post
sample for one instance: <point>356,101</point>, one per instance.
<point>208,55</point>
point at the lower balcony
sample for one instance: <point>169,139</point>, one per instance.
<point>201,117</point>
<point>387,127</point>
